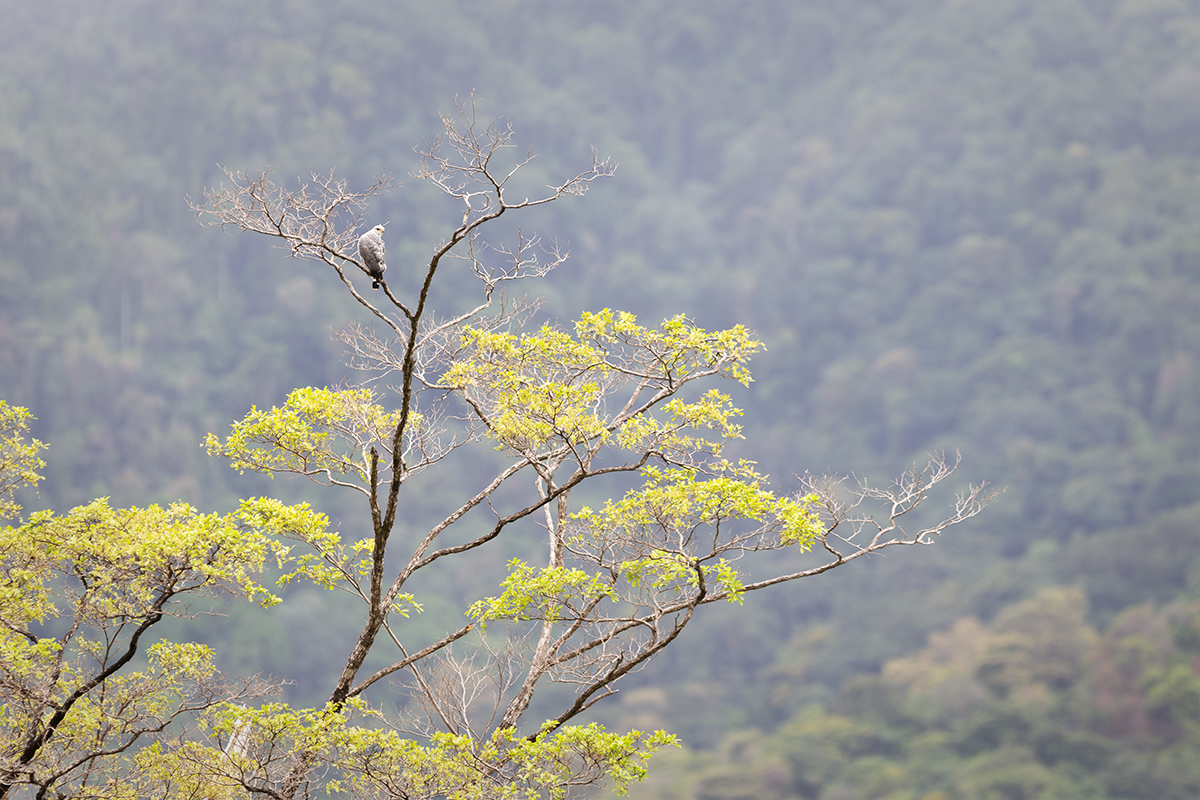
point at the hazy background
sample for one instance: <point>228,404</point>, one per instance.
<point>965,225</point>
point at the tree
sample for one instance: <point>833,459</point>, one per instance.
<point>607,398</point>
<point>80,595</point>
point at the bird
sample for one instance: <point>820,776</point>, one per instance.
<point>370,250</point>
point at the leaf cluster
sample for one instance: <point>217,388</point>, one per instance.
<point>603,383</point>
<point>257,747</point>
<point>316,432</point>
<point>19,462</point>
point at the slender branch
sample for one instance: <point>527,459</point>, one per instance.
<point>408,660</point>
<point>46,730</point>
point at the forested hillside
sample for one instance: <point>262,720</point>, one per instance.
<point>960,225</point>
<point>1038,704</point>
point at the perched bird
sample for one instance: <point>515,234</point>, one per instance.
<point>370,250</point>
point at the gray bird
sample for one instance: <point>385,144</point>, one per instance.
<point>370,250</point>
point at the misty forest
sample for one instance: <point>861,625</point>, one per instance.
<point>683,300</point>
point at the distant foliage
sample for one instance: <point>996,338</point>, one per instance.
<point>1037,704</point>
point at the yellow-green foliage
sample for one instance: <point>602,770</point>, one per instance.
<point>328,563</point>
<point>537,386</point>
<point>547,387</point>
<point>130,700</point>
<point>613,382</point>
<point>317,430</point>
<point>679,348</point>
<point>684,498</point>
<point>121,559</point>
<point>19,462</point>
<point>74,588</point>
<point>532,593</point>
<point>370,761</point>
<point>680,512</point>
<point>323,557</point>
<point>669,432</point>
<point>102,568</point>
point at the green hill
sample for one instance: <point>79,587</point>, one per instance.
<point>965,225</point>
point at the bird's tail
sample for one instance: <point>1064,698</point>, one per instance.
<point>374,284</point>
